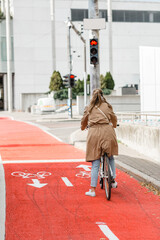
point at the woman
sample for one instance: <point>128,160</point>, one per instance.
<point>101,120</point>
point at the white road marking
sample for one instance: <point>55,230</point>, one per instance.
<point>36,183</point>
<point>39,175</point>
<point>43,161</point>
<point>83,174</point>
<point>85,167</point>
<point>107,232</point>
<point>67,182</point>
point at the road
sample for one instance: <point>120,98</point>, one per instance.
<point>60,128</point>
<point>46,180</point>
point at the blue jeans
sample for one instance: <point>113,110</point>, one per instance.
<point>95,170</point>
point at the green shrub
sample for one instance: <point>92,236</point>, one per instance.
<point>56,82</point>
<point>106,91</point>
<point>107,81</point>
<point>61,94</point>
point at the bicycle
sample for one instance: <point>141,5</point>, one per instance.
<point>106,175</point>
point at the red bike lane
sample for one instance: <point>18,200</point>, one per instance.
<point>46,200</point>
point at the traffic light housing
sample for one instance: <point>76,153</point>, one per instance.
<point>94,51</point>
<point>72,80</point>
<point>66,80</point>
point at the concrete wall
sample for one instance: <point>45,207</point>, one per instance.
<point>150,79</point>
<point>126,103</point>
<point>29,99</point>
<point>144,139</point>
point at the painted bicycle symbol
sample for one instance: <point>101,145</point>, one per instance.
<point>83,174</point>
<point>38,175</point>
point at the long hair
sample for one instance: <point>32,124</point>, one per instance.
<point>97,99</point>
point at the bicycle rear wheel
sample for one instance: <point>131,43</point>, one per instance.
<point>107,177</point>
<point>101,173</point>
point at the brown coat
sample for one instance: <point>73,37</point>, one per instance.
<point>101,135</point>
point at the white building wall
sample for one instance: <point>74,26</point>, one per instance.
<point>32,42</point>
<point>127,37</point>
<point>150,79</point>
<point>32,47</point>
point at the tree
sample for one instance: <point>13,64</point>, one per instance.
<point>79,87</point>
<point>102,82</point>
<point>56,82</point>
<point>109,81</point>
<point>88,78</point>
<point>1,15</point>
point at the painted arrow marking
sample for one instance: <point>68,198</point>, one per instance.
<point>36,183</point>
<point>85,167</point>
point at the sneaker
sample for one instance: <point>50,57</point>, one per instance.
<point>90,193</point>
<point>114,184</point>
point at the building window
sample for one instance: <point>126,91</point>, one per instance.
<point>79,14</point>
<point>103,14</point>
<point>156,17</point>
<point>133,16</point>
<point>119,15</point>
<point>3,56</point>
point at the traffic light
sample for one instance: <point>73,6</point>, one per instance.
<point>94,51</point>
<point>72,80</point>
<point>66,80</point>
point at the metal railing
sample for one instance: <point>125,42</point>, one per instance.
<point>141,118</point>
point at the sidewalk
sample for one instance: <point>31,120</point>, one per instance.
<point>129,160</point>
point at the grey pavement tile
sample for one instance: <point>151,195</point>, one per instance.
<point>149,168</point>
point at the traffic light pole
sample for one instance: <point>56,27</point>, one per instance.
<point>85,61</point>
<point>110,36</point>
<point>52,7</point>
<point>93,12</point>
<point>70,68</point>
<point>85,76</point>
<point>8,41</point>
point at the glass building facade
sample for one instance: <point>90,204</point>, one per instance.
<point>120,15</point>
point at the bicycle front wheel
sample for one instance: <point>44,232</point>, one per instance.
<point>107,177</point>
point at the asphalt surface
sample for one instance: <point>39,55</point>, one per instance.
<point>45,185</point>
<point>61,126</point>
<point>128,160</point>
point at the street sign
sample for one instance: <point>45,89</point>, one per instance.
<point>94,24</point>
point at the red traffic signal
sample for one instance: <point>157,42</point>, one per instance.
<point>72,76</point>
<point>93,42</point>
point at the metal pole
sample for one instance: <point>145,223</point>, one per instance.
<point>85,62</point>
<point>110,36</point>
<point>85,77</point>
<point>70,67</point>
<point>8,43</point>
<point>93,12</point>
<point>52,2</point>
